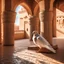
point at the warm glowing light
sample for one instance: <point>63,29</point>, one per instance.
<point>59,23</point>
<point>21,16</point>
<point>36,58</point>
<point>17,15</point>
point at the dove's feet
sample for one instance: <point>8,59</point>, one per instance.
<point>38,50</point>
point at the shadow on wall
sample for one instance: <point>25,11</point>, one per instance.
<point>26,35</point>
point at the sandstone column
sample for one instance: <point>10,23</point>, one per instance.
<point>32,28</point>
<point>0,21</point>
<point>34,25</point>
<point>48,26</point>
<point>8,27</point>
<point>48,17</point>
<point>41,16</point>
<point>54,23</point>
<point>37,24</point>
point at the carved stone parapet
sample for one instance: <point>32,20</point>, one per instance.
<point>9,16</point>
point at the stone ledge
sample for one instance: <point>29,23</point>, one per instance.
<point>35,48</point>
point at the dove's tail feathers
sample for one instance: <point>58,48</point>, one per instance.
<point>51,49</point>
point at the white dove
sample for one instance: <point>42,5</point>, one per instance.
<point>41,42</point>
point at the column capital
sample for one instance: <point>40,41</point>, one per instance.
<point>9,16</point>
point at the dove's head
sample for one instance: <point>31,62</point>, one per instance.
<point>34,32</point>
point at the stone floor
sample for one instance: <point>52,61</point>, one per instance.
<point>19,54</point>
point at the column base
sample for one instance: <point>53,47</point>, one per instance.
<point>35,48</point>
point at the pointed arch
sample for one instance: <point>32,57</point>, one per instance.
<point>25,6</point>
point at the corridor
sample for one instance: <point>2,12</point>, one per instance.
<point>19,54</point>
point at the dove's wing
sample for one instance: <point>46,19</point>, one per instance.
<point>44,43</point>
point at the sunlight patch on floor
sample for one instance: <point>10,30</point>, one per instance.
<point>36,58</point>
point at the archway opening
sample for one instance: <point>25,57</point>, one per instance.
<point>59,23</point>
<point>21,25</point>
